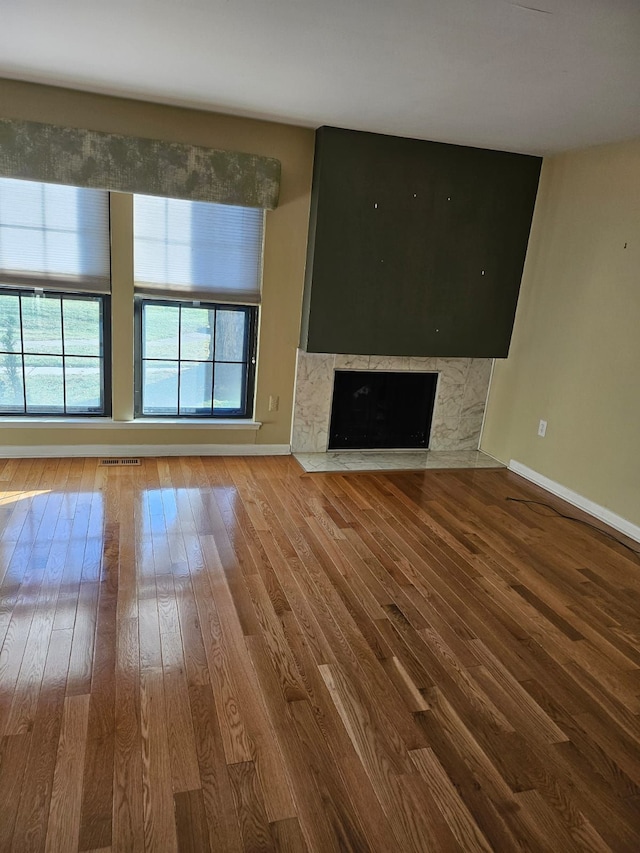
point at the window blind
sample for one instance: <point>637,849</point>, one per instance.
<point>54,237</point>
<point>197,250</point>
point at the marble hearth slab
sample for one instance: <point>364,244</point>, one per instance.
<point>394,460</point>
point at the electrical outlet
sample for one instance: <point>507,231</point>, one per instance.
<point>542,429</point>
<point>274,403</point>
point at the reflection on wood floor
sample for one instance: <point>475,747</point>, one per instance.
<point>229,654</point>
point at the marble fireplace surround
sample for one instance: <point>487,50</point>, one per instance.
<point>461,396</point>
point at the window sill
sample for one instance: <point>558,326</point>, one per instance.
<point>139,423</point>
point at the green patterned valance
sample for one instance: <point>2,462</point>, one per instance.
<point>88,158</point>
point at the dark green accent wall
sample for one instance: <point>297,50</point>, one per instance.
<point>415,248</point>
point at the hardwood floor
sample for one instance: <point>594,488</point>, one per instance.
<point>230,655</point>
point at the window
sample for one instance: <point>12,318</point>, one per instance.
<point>196,358</point>
<point>52,354</point>
<point>54,303</point>
<point>197,270</point>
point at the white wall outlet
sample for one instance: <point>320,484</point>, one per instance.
<point>274,403</point>
<point>542,429</point>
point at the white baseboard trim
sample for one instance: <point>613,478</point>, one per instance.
<point>66,450</point>
<point>600,512</point>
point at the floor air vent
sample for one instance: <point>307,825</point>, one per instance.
<point>124,461</point>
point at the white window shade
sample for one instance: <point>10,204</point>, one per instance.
<point>197,250</point>
<point>54,237</point>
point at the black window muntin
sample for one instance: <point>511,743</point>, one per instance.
<point>103,359</point>
<point>249,362</point>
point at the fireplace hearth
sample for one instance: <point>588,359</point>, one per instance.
<point>381,410</point>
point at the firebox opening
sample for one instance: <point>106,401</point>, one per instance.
<point>379,409</point>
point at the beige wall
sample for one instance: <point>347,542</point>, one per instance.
<point>575,352</point>
<point>284,259</point>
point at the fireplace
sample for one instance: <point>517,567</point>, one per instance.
<point>458,410</point>
<point>381,409</point>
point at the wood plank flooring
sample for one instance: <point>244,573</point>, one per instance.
<point>227,654</point>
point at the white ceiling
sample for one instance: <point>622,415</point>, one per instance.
<point>491,73</point>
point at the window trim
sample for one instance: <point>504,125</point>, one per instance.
<point>250,375</point>
<point>105,357</point>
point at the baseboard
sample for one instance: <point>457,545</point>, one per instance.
<point>600,512</point>
<point>66,450</point>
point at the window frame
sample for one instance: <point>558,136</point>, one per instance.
<point>104,359</point>
<point>251,338</point>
